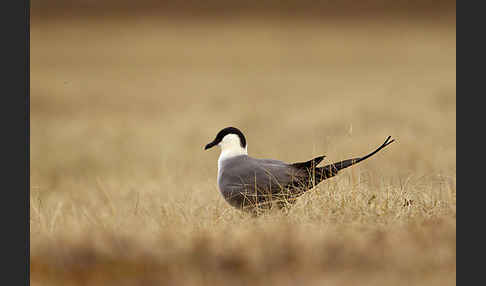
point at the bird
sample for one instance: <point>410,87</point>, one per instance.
<point>254,185</point>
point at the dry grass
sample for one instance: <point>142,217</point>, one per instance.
<point>122,192</point>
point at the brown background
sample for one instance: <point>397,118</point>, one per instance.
<point>284,8</point>
<point>124,96</point>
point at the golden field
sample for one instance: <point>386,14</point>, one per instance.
<point>122,192</point>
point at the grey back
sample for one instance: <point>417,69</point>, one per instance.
<point>250,183</point>
<point>246,182</point>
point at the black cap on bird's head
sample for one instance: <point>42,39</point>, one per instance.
<point>221,134</point>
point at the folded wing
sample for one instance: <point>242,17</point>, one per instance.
<point>247,181</point>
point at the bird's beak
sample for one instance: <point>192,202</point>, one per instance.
<point>210,145</point>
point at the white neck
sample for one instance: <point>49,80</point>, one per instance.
<point>231,147</point>
<point>232,152</point>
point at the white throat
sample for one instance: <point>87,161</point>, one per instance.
<point>231,147</point>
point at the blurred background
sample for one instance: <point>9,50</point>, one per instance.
<point>283,71</point>
<point>125,94</point>
<point>306,8</point>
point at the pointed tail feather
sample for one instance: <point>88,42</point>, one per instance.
<point>308,164</point>
<point>332,170</point>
